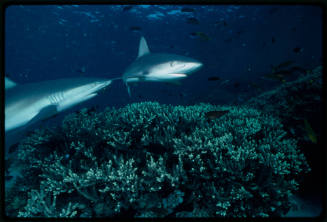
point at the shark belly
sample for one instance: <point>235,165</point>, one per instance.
<point>69,103</point>
<point>165,77</point>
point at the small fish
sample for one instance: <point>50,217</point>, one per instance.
<point>8,177</point>
<point>228,39</point>
<point>310,133</point>
<point>273,10</point>
<point>201,35</point>
<point>224,82</point>
<point>254,85</point>
<point>13,148</point>
<point>249,69</point>
<point>273,40</point>
<point>236,85</point>
<point>192,20</point>
<point>298,69</point>
<point>221,22</point>
<point>135,28</point>
<point>215,114</point>
<point>298,50</point>
<point>238,33</point>
<point>213,78</point>
<point>284,72</point>
<point>127,8</point>
<point>82,69</point>
<point>182,94</point>
<point>274,76</point>
<point>92,109</point>
<point>185,9</point>
<point>284,64</point>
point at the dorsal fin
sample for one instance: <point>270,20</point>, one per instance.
<point>143,48</point>
<point>9,83</point>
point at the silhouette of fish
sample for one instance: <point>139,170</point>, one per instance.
<point>185,9</point>
<point>192,20</point>
<point>213,78</point>
<point>127,8</point>
<point>297,50</point>
<point>310,133</point>
<point>215,114</point>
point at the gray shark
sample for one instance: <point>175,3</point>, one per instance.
<point>158,67</point>
<point>29,103</point>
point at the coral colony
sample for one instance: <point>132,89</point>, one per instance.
<point>153,160</point>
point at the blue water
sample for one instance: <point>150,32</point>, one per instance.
<point>238,44</point>
<point>243,42</point>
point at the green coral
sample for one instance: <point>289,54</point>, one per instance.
<point>153,160</point>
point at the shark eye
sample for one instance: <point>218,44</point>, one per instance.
<point>172,64</point>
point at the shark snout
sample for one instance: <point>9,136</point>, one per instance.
<point>100,84</point>
<point>197,65</point>
<point>193,66</point>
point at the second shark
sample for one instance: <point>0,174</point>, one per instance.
<point>158,67</point>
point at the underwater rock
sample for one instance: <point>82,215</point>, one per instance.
<point>299,105</point>
<point>294,101</point>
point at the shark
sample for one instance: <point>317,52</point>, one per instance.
<point>28,103</point>
<point>158,67</point>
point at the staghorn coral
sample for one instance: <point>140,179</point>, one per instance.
<point>152,160</point>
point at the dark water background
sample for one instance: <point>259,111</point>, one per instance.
<point>238,44</point>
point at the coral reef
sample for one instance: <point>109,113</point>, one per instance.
<point>153,160</point>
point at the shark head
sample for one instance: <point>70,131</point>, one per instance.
<point>31,102</point>
<point>84,89</point>
<point>159,67</point>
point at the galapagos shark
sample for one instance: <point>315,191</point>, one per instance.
<point>158,67</point>
<point>28,103</point>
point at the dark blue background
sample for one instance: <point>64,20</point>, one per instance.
<point>50,42</point>
<point>239,44</point>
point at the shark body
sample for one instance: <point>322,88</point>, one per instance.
<point>158,67</point>
<point>31,102</point>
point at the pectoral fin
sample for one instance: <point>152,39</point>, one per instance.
<point>44,113</point>
<point>128,89</point>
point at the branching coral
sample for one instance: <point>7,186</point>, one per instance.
<point>152,160</point>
